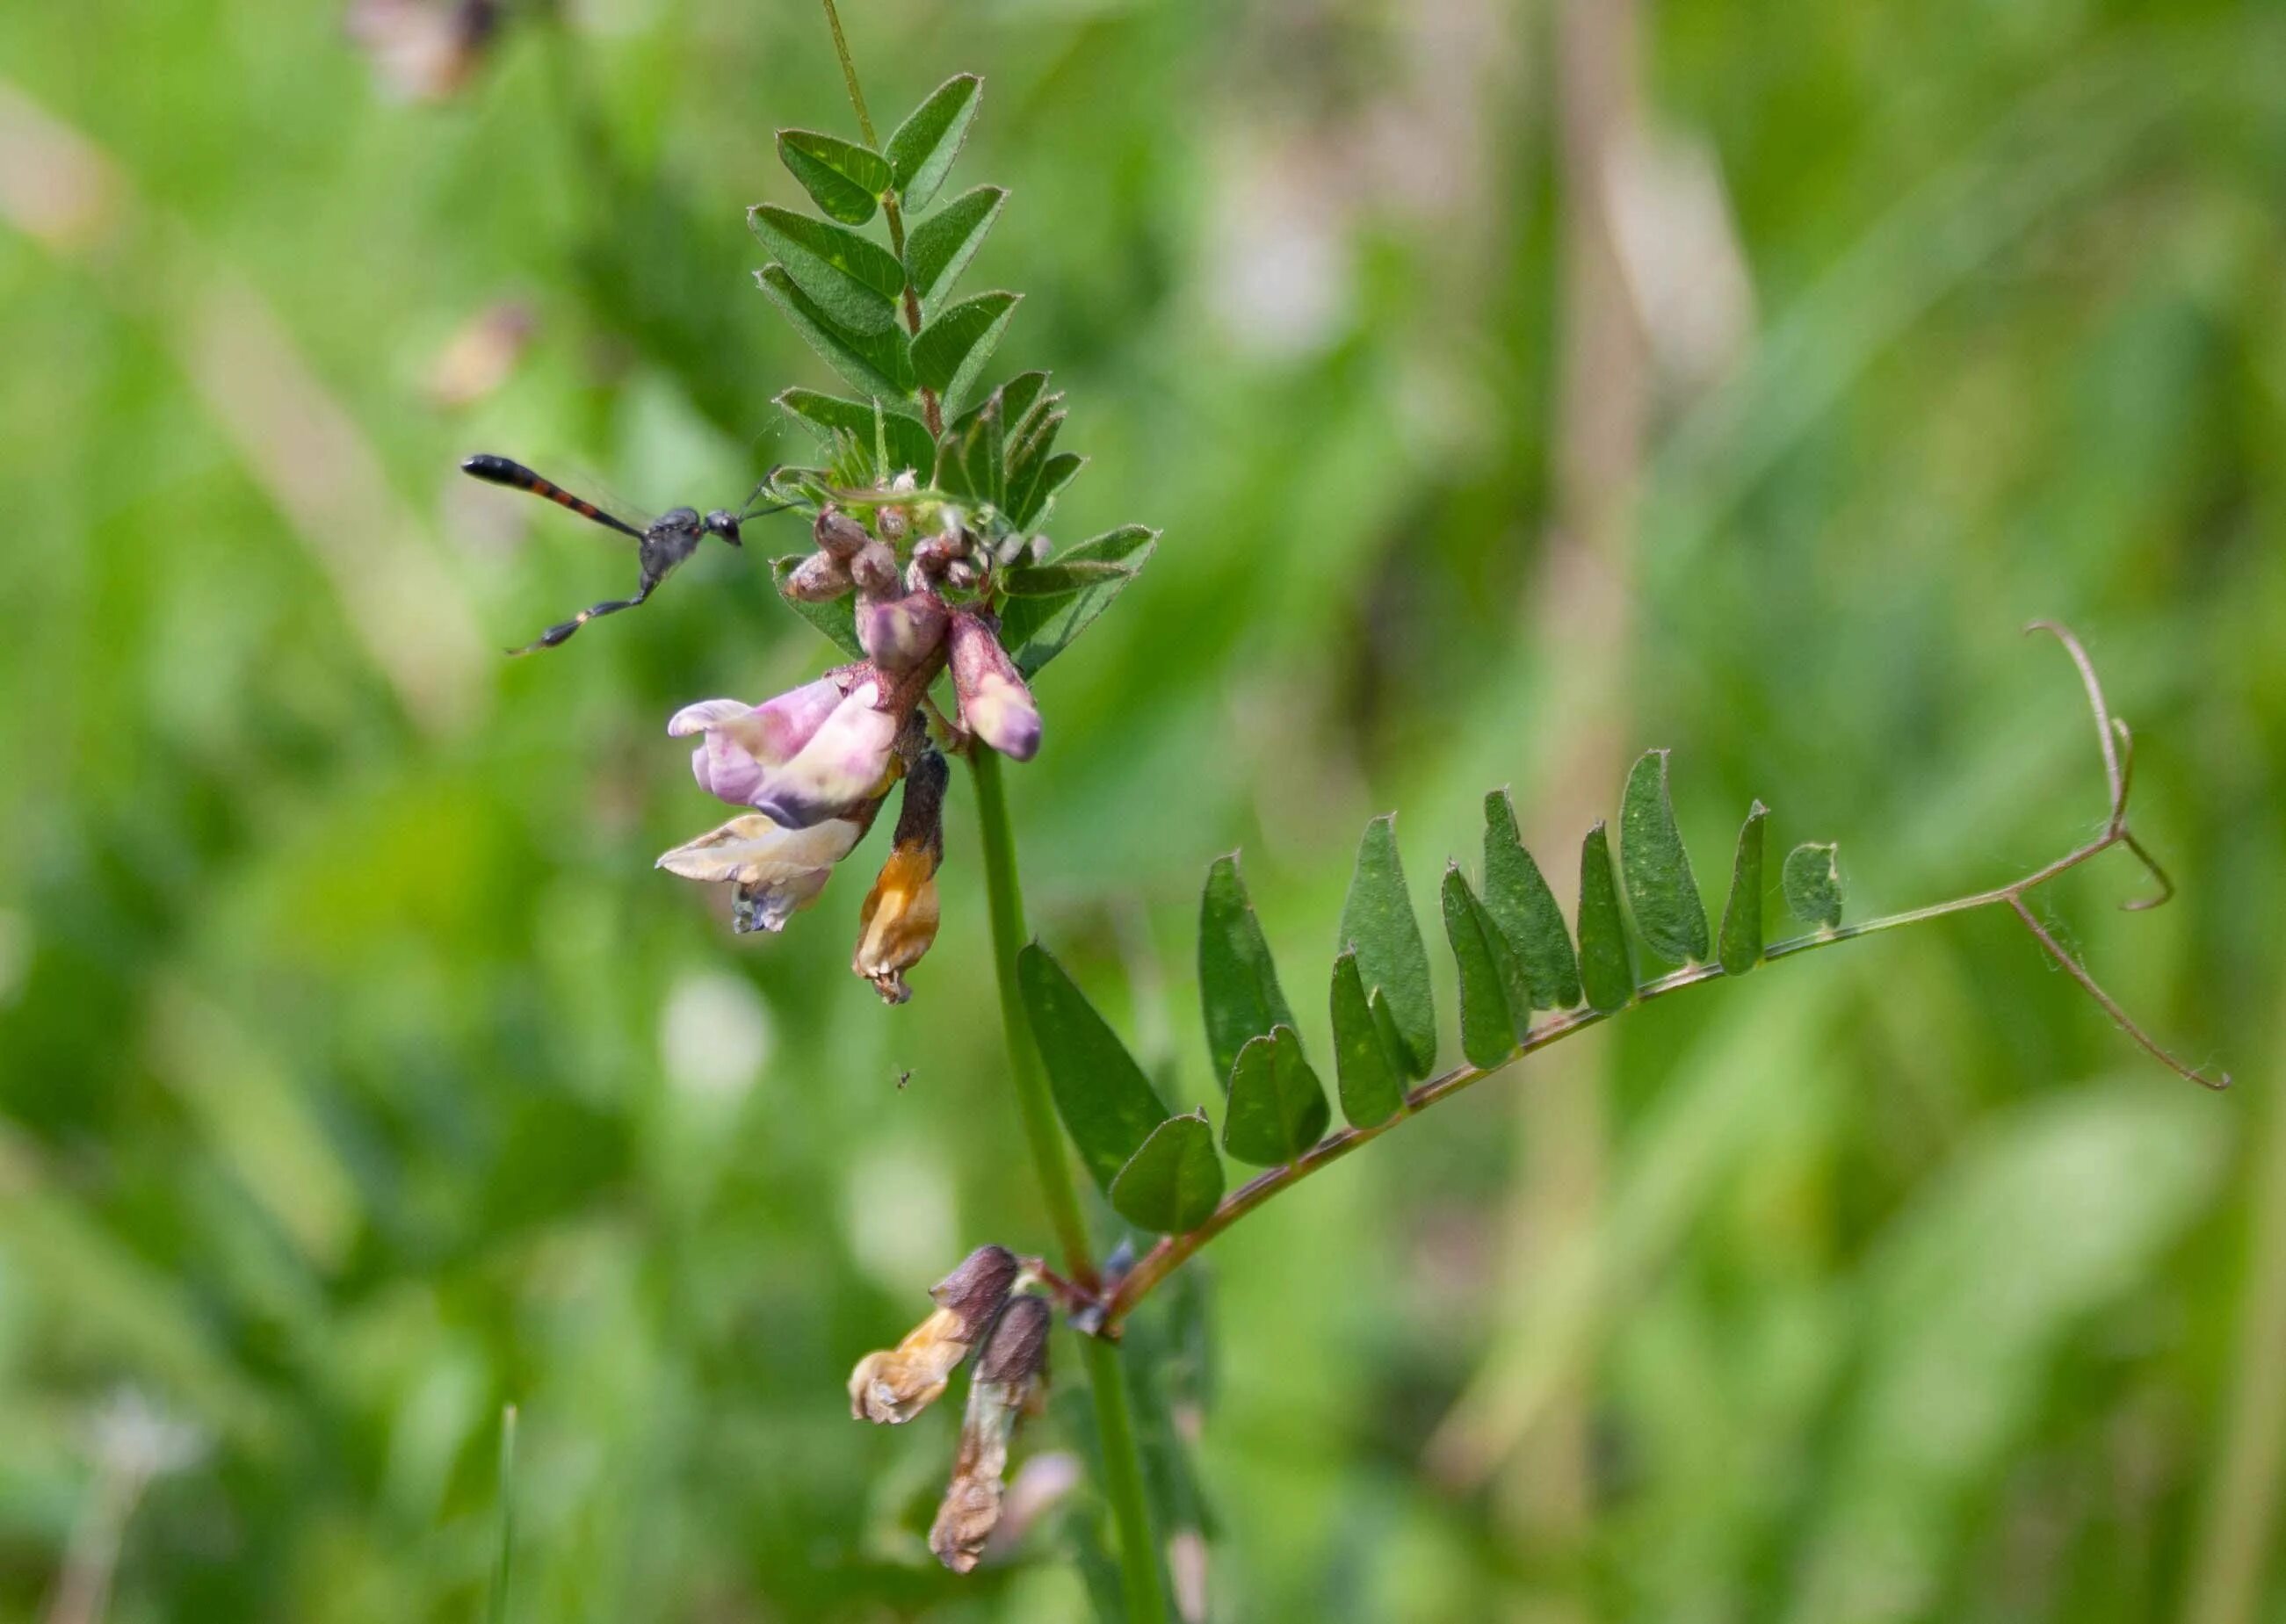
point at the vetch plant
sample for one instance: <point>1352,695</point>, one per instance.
<point>928,569</point>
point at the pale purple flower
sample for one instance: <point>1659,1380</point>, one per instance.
<point>813,753</point>
<point>743,742</point>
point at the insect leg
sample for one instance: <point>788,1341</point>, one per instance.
<point>559,633</point>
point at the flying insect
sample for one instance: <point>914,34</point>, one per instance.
<point>660,544</point>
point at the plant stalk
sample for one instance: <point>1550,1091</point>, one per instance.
<point>1042,1135</point>
<point>1122,1467</point>
<point>1123,1482</point>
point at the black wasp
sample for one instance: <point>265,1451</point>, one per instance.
<point>660,546</point>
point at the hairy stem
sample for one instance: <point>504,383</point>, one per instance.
<point>849,74</point>
<point>932,409</point>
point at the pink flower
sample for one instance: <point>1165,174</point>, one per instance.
<point>813,753</point>
<point>994,704</point>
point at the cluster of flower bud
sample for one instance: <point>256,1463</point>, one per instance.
<point>981,1305</point>
<point>816,763</point>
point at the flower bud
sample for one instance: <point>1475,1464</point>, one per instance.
<point>1010,1374</point>
<point>839,536</point>
<point>892,1386</point>
<point>819,578</point>
<point>898,924</point>
<point>935,553</point>
<point>962,575</point>
<point>898,633</point>
<point>874,567</point>
<point>892,522</point>
<point>994,704</point>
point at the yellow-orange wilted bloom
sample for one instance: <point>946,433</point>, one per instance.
<point>898,923</point>
<point>893,1385</point>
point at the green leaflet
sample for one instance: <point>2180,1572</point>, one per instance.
<point>1108,1106</point>
<point>1518,897</point>
<point>1660,888</point>
<point>1366,1066</point>
<point>1742,915</point>
<point>842,178</point>
<point>1277,1107</point>
<point>922,149</point>
<point>880,362</point>
<point>1060,575</point>
<point>941,246</point>
<point>827,415</point>
<point>1605,974</point>
<point>1173,1181</point>
<point>1238,984</point>
<point>950,351</point>
<point>1031,501</point>
<point>836,619</point>
<point>1495,1006</point>
<point>853,280</point>
<point>1036,630</point>
<point>1812,879</point>
<point>1377,921</point>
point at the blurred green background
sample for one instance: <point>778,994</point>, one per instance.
<point>1518,385</point>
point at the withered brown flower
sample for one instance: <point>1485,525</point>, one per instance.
<point>1011,1378</point>
<point>891,1386</point>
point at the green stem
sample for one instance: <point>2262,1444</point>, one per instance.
<point>1123,1481</point>
<point>1122,1467</point>
<point>932,409</point>
<point>849,74</point>
<point>1033,1103</point>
